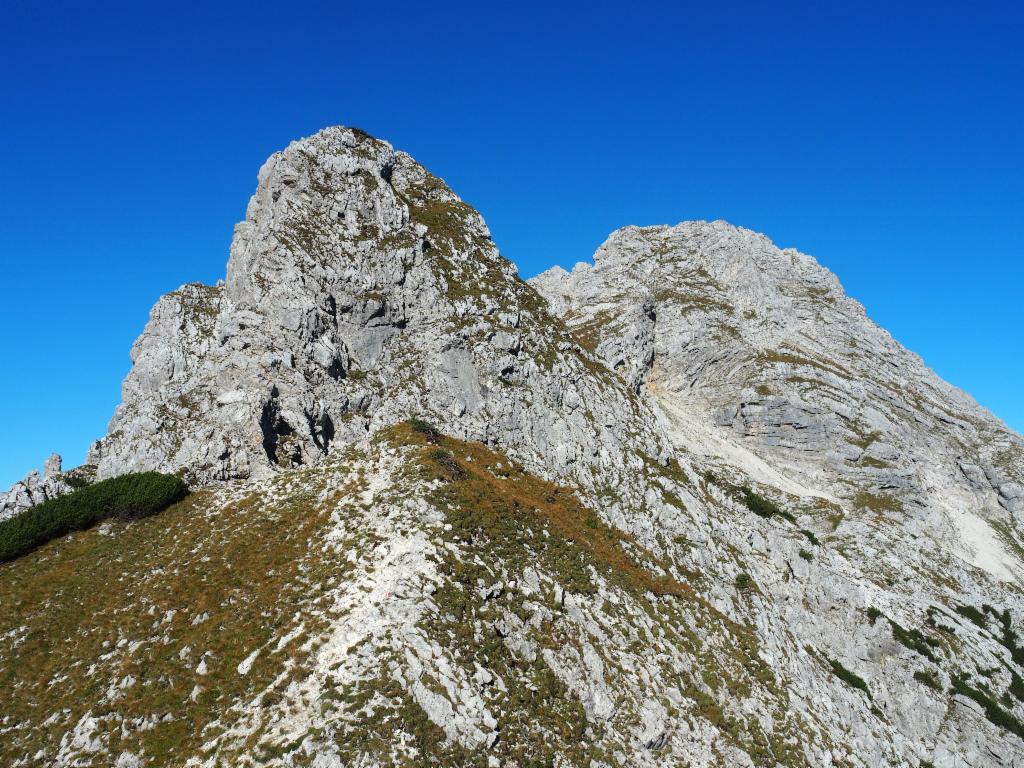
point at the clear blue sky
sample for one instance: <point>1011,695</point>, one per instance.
<point>886,143</point>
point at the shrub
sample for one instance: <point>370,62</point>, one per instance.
<point>126,497</point>
<point>76,481</point>
<point>425,428</point>
<point>448,463</point>
<point>914,640</point>
<point>972,613</point>
<point>931,622</point>
<point>993,711</point>
<point>851,679</point>
<point>743,581</point>
<point>758,504</point>
<point>929,678</point>
<point>1008,638</point>
<point>761,506</point>
<point>810,536</point>
<point>806,555</point>
<point>1016,686</point>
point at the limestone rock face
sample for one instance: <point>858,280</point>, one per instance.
<point>760,347</point>
<point>35,489</point>
<point>52,466</point>
<point>22,495</point>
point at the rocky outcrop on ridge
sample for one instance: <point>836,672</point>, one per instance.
<point>34,489</point>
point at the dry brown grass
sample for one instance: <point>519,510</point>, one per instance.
<point>490,496</point>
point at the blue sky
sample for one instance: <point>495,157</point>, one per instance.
<point>887,143</point>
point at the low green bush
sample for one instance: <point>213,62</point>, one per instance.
<point>929,678</point>
<point>761,506</point>
<point>125,497</point>
<point>757,503</point>
<point>1008,638</point>
<point>444,459</point>
<point>850,678</point>
<point>972,613</point>
<point>1016,686</point>
<point>993,711</point>
<point>425,428</point>
<point>743,581</point>
<point>915,640</point>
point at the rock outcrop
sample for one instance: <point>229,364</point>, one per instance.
<point>685,506</point>
<point>34,489</point>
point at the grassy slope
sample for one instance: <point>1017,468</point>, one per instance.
<point>72,611</point>
<point>105,623</point>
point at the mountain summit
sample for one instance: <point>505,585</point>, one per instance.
<point>359,290</point>
<point>686,505</point>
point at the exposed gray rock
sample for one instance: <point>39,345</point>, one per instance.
<point>761,345</point>
<point>35,489</point>
<point>360,291</point>
<point>52,466</point>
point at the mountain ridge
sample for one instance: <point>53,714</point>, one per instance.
<point>554,274</point>
<point>674,507</point>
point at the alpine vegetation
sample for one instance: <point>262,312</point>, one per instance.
<point>126,497</point>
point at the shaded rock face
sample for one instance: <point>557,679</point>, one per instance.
<point>360,291</point>
<point>761,346</point>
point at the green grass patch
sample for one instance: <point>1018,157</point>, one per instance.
<point>493,502</point>
<point>871,461</point>
<point>248,566</point>
<point>877,502</point>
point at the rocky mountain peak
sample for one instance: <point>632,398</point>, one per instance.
<point>360,290</point>
<point>760,345</point>
<point>686,504</point>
